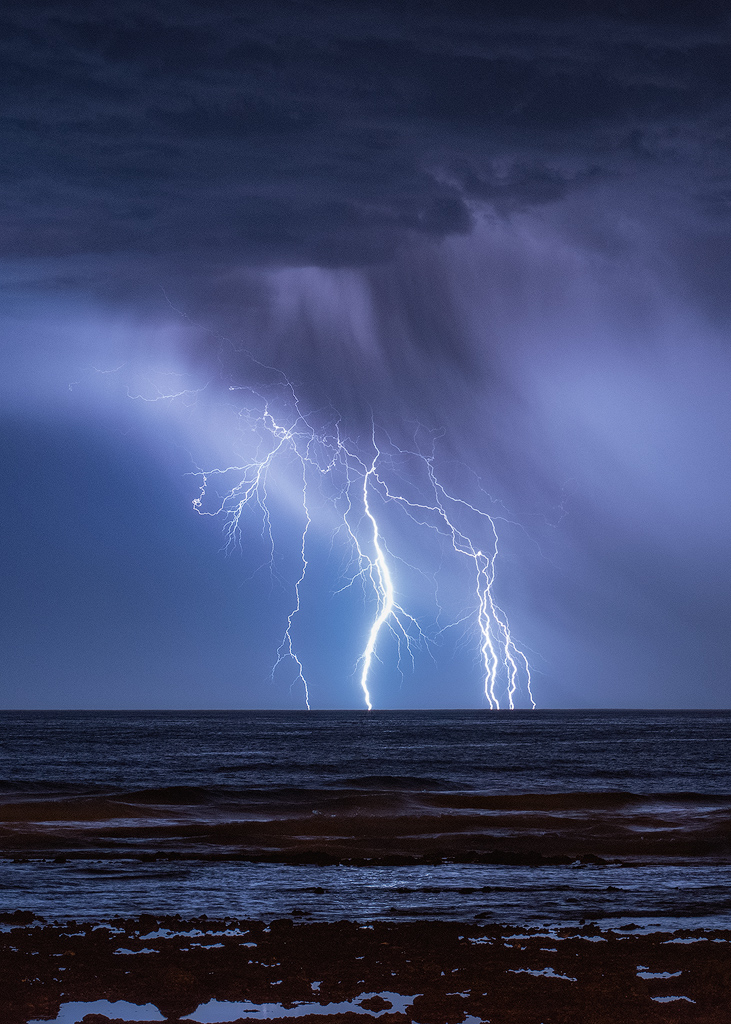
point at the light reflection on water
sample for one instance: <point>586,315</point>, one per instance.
<point>217,1011</point>
<point>697,895</point>
<point>70,1013</point>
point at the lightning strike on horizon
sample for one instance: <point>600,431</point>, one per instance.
<point>285,649</point>
<point>491,619</point>
<point>384,588</point>
<point>352,485</point>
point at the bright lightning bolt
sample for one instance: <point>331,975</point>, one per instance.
<point>285,649</point>
<point>356,491</point>
<point>492,622</point>
<point>381,576</point>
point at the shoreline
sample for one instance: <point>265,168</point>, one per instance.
<point>522,890</point>
<point>446,972</point>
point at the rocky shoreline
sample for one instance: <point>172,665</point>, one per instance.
<point>446,972</point>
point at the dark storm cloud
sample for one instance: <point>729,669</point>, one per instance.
<point>183,147</point>
<point>510,223</point>
<point>298,133</point>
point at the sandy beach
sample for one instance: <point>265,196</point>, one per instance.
<point>430,972</point>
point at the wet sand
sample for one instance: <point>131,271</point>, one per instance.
<point>451,972</point>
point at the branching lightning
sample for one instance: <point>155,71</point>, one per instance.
<point>369,502</point>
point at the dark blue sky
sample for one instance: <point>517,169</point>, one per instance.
<point>505,233</point>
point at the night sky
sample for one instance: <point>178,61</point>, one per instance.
<point>501,230</point>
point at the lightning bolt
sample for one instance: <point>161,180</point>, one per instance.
<point>285,649</point>
<point>357,491</point>
<point>383,584</point>
<point>359,494</point>
<point>492,623</point>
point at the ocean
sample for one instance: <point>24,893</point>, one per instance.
<point>526,817</point>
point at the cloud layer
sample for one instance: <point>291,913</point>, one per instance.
<point>510,228</point>
<point>299,134</point>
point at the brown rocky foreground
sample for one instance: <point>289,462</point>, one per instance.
<point>453,972</point>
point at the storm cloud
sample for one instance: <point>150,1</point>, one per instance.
<point>508,227</point>
<point>301,134</point>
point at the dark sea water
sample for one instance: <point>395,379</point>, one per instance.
<point>543,816</point>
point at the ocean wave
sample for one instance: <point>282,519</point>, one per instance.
<point>371,823</point>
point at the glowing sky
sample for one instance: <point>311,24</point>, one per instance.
<point>512,229</point>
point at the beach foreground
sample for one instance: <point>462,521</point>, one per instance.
<point>431,972</point>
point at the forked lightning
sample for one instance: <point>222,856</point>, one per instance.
<point>361,495</point>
